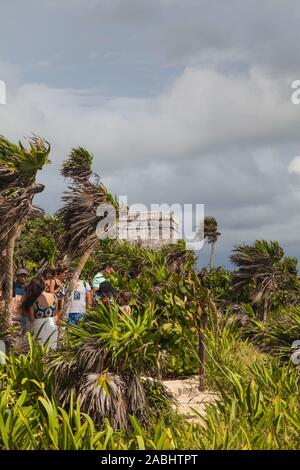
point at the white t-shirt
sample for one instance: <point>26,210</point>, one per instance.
<point>78,300</point>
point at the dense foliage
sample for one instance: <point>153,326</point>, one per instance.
<point>102,388</point>
<point>258,406</point>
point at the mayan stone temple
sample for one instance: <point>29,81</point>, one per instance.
<point>149,229</point>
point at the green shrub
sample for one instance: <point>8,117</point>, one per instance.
<point>278,333</point>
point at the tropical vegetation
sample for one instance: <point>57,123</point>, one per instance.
<point>104,388</point>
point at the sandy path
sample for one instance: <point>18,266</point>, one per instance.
<point>187,395</point>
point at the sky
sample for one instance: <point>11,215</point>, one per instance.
<point>180,101</point>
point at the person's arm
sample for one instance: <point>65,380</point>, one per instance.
<point>88,299</point>
<point>88,295</point>
<point>20,310</point>
<point>31,314</point>
<point>57,312</point>
<point>62,302</point>
<point>52,286</point>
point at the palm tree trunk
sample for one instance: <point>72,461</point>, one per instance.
<point>9,275</point>
<point>212,253</point>
<point>266,308</point>
<point>201,352</point>
<point>74,281</point>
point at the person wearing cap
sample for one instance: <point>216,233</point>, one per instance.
<point>81,299</point>
<point>20,284</point>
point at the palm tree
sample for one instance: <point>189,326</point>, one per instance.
<point>264,267</point>
<point>18,170</point>
<point>78,216</point>
<point>205,308</point>
<point>106,362</point>
<point>208,230</point>
<point>211,234</point>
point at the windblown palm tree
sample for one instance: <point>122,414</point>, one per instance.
<point>18,170</point>
<point>264,266</point>
<point>209,232</point>
<point>79,215</point>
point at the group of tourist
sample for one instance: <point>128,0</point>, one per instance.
<point>38,304</point>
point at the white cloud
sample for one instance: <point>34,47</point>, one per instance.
<point>209,138</point>
<point>294,166</point>
<point>201,113</point>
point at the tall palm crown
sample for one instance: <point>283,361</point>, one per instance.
<point>79,214</point>
<point>265,266</point>
<point>78,166</point>
<point>18,169</point>
<point>18,165</point>
<point>208,230</point>
<point>211,233</point>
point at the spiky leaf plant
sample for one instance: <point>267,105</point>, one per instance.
<point>106,362</point>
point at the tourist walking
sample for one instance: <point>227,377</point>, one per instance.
<point>81,299</point>
<point>41,309</point>
<point>59,289</point>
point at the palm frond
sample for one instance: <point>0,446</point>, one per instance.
<point>103,396</point>
<point>79,165</point>
<point>18,165</point>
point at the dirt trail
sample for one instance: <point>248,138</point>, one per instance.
<point>187,395</point>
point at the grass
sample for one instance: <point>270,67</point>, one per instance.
<point>259,405</point>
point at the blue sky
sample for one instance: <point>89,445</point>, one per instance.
<point>181,101</point>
